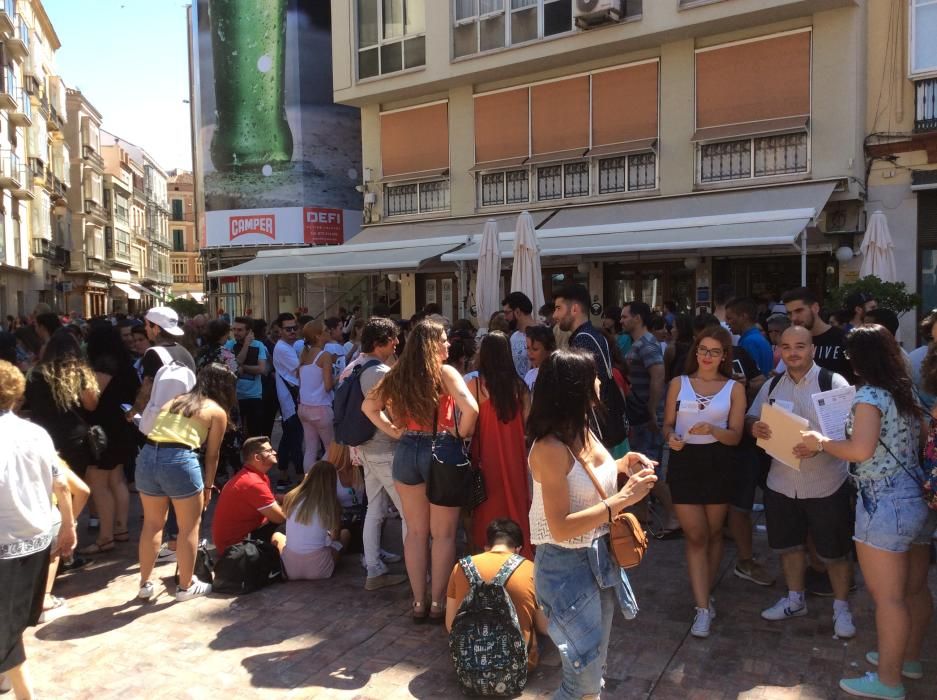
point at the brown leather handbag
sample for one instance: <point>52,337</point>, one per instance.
<point>627,538</point>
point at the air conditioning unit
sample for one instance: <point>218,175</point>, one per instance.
<point>591,13</point>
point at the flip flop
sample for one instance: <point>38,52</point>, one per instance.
<point>97,548</point>
<point>122,536</point>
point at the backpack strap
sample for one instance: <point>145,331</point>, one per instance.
<point>773,385</point>
<point>508,568</point>
<point>606,356</point>
<point>825,379</point>
<point>471,573</point>
<point>163,354</point>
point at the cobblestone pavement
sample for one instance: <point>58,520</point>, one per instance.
<point>331,639</point>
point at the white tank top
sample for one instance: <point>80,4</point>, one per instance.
<point>582,494</point>
<point>312,386</point>
<point>694,408</point>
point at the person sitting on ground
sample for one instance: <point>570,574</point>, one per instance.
<point>247,506</point>
<point>504,538</point>
<point>314,538</point>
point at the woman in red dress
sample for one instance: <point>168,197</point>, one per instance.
<point>498,446</point>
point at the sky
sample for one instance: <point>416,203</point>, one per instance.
<point>130,59</point>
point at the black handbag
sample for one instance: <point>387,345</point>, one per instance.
<point>95,437</point>
<point>450,476</point>
<point>477,492</point>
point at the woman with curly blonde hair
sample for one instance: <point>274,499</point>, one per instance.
<point>61,392</point>
<point>415,403</point>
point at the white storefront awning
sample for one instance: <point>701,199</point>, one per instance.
<point>146,290</point>
<point>352,257</point>
<point>739,219</point>
<point>127,289</point>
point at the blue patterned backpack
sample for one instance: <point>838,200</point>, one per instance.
<point>486,643</point>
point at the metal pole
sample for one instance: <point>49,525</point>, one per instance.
<point>462,288</point>
<point>803,258</point>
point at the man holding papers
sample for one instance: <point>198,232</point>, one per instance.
<point>806,493</point>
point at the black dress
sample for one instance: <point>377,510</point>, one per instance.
<point>121,389</point>
<point>68,428</point>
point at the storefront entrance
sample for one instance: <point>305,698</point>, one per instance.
<point>765,277</point>
<point>650,282</point>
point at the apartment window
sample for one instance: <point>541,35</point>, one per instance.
<point>177,210</point>
<point>630,173</point>
<point>508,187</point>
<point>198,268</point>
<point>417,197</point>
<point>179,271</point>
<point>390,36</point>
<point>925,104</point>
<point>484,25</point>
<point>760,157</point>
<point>178,240</point>
<point>923,30</point>
<point>550,182</point>
<point>576,179</point>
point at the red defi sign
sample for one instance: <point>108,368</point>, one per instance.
<point>263,224</point>
<point>323,226</point>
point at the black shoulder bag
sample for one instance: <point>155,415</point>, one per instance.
<point>450,475</point>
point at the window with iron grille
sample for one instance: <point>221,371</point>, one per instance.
<point>517,184</point>
<point>642,171</point>
<point>781,155</point>
<point>731,160</point>
<point>550,182</point>
<point>506,187</point>
<point>925,105</point>
<point>612,173</point>
<point>764,156</point>
<point>492,185</point>
<point>416,198</point>
<point>576,179</point>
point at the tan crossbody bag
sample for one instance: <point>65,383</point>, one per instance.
<point>627,538</point>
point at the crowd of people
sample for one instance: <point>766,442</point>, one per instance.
<point>560,425</point>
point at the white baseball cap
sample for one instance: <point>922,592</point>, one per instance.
<point>165,318</point>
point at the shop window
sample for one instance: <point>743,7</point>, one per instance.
<point>391,36</point>
<point>765,156</point>
<point>416,197</point>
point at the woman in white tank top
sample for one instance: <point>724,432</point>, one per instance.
<point>704,416</point>
<point>578,583</point>
<point>315,392</point>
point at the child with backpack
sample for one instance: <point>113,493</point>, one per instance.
<point>314,536</point>
<point>492,615</point>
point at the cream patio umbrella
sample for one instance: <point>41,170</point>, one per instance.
<point>525,274</point>
<point>488,275</point>
<point>878,250</point>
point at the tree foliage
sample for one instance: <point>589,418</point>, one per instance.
<point>889,295</point>
<point>186,307</point>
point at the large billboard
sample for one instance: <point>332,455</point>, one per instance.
<point>277,159</point>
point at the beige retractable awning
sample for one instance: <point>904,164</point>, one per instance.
<point>764,127</point>
<point>128,290</point>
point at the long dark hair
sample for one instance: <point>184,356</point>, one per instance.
<point>717,333</point>
<point>215,382</point>
<point>496,367</point>
<point>104,342</point>
<point>877,361</point>
<point>564,397</point>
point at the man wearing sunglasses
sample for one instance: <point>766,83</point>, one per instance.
<point>286,365</point>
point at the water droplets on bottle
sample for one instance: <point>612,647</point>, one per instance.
<point>264,63</point>
<point>267,170</point>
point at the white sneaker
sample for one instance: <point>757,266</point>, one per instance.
<point>147,591</point>
<point>390,557</point>
<point>701,623</point>
<point>165,555</point>
<point>843,626</point>
<point>782,610</point>
<point>196,588</point>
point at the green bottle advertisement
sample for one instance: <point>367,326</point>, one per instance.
<point>248,41</point>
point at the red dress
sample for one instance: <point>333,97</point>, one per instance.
<point>500,450</point>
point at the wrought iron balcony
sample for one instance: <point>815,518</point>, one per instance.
<point>925,105</point>
<point>43,248</point>
<point>22,113</point>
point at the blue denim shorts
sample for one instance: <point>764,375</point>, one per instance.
<point>168,471</point>
<point>891,513</point>
<point>414,452</point>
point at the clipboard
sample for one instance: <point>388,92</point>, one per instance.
<point>785,434</point>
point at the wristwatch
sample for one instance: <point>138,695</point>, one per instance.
<point>820,446</point>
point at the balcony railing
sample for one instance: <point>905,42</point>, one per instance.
<point>94,209</point>
<point>22,113</point>
<point>925,101</point>
<point>18,44</point>
<point>8,89</point>
<point>10,170</point>
<point>23,189</point>
<point>92,156</point>
<point>7,16</point>
<point>43,248</point>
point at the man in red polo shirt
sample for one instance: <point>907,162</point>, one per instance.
<point>246,505</point>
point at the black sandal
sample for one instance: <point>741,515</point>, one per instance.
<point>418,613</point>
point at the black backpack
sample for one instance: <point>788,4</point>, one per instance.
<point>614,428</point>
<point>246,567</point>
<point>486,642</point>
<point>352,427</point>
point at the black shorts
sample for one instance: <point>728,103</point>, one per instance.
<point>23,582</point>
<point>701,474</point>
<point>829,521</point>
<point>750,473</point>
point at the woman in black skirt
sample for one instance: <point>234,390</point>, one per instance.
<point>703,421</point>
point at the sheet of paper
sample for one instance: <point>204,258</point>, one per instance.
<point>832,409</point>
<point>785,433</point>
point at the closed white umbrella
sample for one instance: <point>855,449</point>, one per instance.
<point>488,277</point>
<point>525,275</point>
<point>878,250</point>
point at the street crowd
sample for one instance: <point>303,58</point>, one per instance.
<point>518,447</point>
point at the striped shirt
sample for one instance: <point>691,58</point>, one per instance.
<point>819,476</point>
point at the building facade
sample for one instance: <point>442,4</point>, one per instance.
<point>662,150</point>
<point>185,259</point>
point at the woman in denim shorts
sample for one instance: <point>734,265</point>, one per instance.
<point>578,583</point>
<point>415,403</point>
<point>168,469</point>
<point>893,523</point>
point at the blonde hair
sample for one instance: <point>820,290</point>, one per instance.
<point>316,496</point>
<point>312,331</point>
<point>340,456</point>
<point>413,385</point>
<point>12,385</point>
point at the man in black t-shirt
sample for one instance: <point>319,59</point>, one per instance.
<point>829,342</point>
